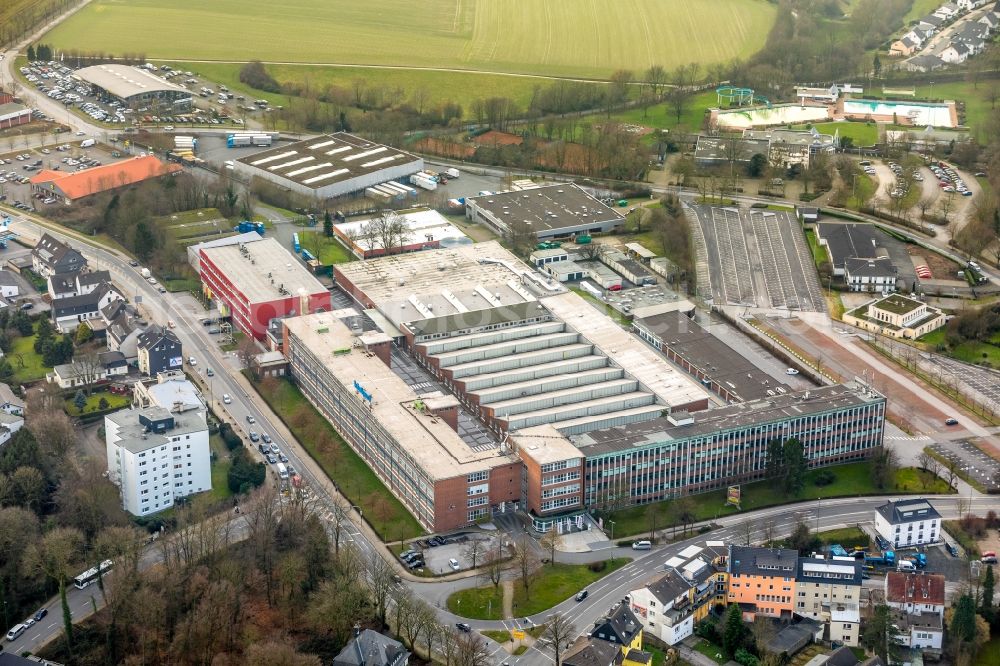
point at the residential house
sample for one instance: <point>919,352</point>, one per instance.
<point>620,627</point>
<point>76,284</point>
<point>990,20</point>
<point>904,46</point>
<point>877,275</point>
<point>830,591</point>
<point>370,648</point>
<point>114,363</point>
<point>923,63</point>
<point>955,53</point>
<point>969,5</point>
<point>930,23</point>
<point>270,364</point>
<point>9,424</point>
<point>9,286</point>
<point>915,592</point>
<point>908,522</point>
<point>53,257</point>
<point>947,11</point>
<point>589,652</point>
<point>9,402</point>
<point>83,372</point>
<point>68,313</point>
<point>923,632</point>
<point>123,330</point>
<point>158,350</point>
<point>762,580</point>
<point>670,606</point>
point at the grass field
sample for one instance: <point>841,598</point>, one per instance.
<point>977,105</point>
<point>920,8</point>
<point>852,479</point>
<point>553,37</point>
<point>989,654</point>
<point>662,116</point>
<point>863,134</point>
<point>94,401</point>
<point>327,250</point>
<point>23,349</point>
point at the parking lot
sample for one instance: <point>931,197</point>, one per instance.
<point>437,553</point>
<point>218,106</point>
<point>971,461</point>
<point>758,258</point>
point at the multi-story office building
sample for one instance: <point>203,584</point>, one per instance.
<point>762,581</point>
<point>909,522</point>
<point>156,456</point>
<point>830,590</point>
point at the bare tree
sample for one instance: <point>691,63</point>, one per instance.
<point>526,561</point>
<point>247,351</point>
<point>386,230</point>
<point>472,650</point>
<point>474,550</point>
<point>54,557</point>
<point>559,632</point>
<point>340,511</point>
<point>494,564</point>
<point>87,367</point>
<point>769,528</point>
<point>380,582</point>
<point>746,530</point>
<point>930,464</point>
<point>551,541</point>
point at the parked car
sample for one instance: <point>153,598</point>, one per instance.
<point>254,437</point>
<point>453,563</point>
<point>951,420</point>
<point>40,613</point>
<point>462,626</point>
<point>266,438</point>
<point>581,595</point>
<point>227,399</point>
<point>271,459</point>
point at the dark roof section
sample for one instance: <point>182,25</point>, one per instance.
<point>794,637</point>
<point>460,321</point>
<point>711,358</point>
<point>619,626</point>
<point>63,284</point>
<point>63,307</point>
<point>93,277</point>
<point>763,561</point>
<point>560,206</point>
<point>640,656</point>
<point>908,511</point>
<point>112,359</point>
<point>835,572</point>
<point>879,267</point>
<point>842,656</point>
<point>154,335</point>
<point>370,648</point>
<point>56,253</point>
<point>592,653</point>
<point>847,240</point>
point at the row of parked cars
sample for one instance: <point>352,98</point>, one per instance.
<point>949,179</point>
<point>22,627</point>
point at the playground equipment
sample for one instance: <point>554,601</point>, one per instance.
<point>731,95</point>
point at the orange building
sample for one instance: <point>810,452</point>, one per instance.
<point>762,580</point>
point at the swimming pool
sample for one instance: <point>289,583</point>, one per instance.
<point>779,114</point>
<point>919,113</point>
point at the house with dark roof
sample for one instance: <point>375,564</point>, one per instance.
<point>908,522</point>
<point>956,52</point>
<point>370,648</point>
<point>9,285</point>
<point>877,274</point>
<point>620,627</point>
<point>124,326</point>
<point>68,313</point>
<point>930,22</point>
<point>53,257</point>
<point>590,652</point>
<point>923,63</point>
<point>158,350</point>
<point>829,590</point>
<point>76,284</point>
<point>794,637</point>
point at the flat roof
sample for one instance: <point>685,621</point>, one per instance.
<point>850,239</point>
<point>125,81</point>
<point>544,444</point>
<point>264,268</point>
<point>327,159</point>
<point>670,385</point>
<point>793,137</point>
<point>438,449</point>
<point>896,304</point>
<point>714,148</point>
<point>421,285</point>
<point>730,417</point>
<point>548,207</point>
<point>421,226</point>
<point>720,362</point>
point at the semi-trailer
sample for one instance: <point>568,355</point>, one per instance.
<point>424,181</point>
<point>244,139</point>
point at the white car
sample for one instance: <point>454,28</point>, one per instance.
<point>192,360</point>
<point>80,133</point>
<point>791,371</point>
<point>227,399</point>
<point>453,563</point>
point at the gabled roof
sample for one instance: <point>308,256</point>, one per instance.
<point>93,277</point>
<point>908,41</point>
<point>8,279</point>
<point>112,359</point>
<point>54,252</point>
<point>908,511</point>
<point>619,626</point>
<point>917,588</point>
<point>78,184</point>
<point>589,652</point>
<point>931,19</point>
<point>873,268</point>
<point>154,335</point>
<point>7,397</point>
<point>370,648</point>
<point>767,562</point>
<point>63,284</point>
<point>72,305</point>
<point>670,586</point>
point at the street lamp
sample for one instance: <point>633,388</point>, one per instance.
<point>612,523</point>
<point>361,513</point>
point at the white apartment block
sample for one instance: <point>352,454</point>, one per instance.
<point>156,456</point>
<point>911,522</point>
<point>829,590</point>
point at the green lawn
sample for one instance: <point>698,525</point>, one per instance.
<point>863,134</point>
<point>851,479</point>
<point>712,651</point>
<point>555,583</point>
<point>327,250</point>
<point>919,9</point>
<point>977,104</point>
<point>220,468</point>
<point>662,116</point>
<point>479,603</point>
<point>23,350</point>
<point>93,401</point>
<point>846,537</point>
<point>982,353</point>
<point>989,654</point>
<point>521,36</point>
<point>348,471</point>
<point>189,217</point>
<point>818,251</point>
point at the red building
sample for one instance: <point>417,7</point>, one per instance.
<point>11,113</point>
<point>255,282</point>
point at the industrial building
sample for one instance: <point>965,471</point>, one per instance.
<point>329,166</point>
<point>135,87</point>
<point>425,230</point>
<point>256,282</point>
<point>12,113</point>
<point>410,442</point>
<point>550,211</point>
<point>70,186</point>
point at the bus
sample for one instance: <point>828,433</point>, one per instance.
<point>90,575</point>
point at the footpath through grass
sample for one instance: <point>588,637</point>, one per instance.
<point>851,480</point>
<point>353,477</point>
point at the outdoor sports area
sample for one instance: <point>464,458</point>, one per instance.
<point>543,37</point>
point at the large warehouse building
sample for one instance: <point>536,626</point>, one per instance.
<point>256,282</point>
<point>135,87</point>
<point>532,369</point>
<point>70,186</point>
<point>551,211</point>
<point>329,166</point>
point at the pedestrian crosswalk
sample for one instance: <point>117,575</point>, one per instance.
<point>909,438</point>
